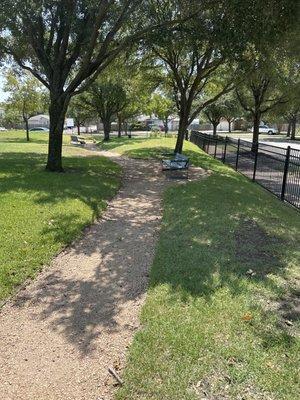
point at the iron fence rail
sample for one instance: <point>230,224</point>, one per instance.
<point>275,168</point>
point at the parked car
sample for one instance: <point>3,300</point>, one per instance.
<point>2,129</point>
<point>267,129</point>
<point>155,127</point>
<point>39,128</point>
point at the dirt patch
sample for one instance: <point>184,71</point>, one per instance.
<point>287,308</point>
<point>256,249</point>
<point>218,386</point>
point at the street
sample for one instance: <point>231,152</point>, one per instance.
<point>274,140</point>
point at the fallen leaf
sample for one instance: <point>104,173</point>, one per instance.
<point>247,317</point>
<point>232,361</point>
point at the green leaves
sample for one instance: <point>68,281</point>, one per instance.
<point>26,95</point>
<point>161,106</point>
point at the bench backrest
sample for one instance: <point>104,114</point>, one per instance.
<point>183,163</point>
<point>180,157</point>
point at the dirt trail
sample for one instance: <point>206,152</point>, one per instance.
<point>63,331</point>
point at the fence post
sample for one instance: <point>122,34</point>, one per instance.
<point>255,161</point>
<point>225,148</point>
<point>237,154</point>
<point>285,171</point>
<point>216,145</point>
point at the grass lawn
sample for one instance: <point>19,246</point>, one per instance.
<point>41,212</point>
<point>221,319</point>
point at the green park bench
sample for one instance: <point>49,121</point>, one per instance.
<point>76,140</point>
<point>177,162</point>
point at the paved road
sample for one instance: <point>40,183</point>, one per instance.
<point>278,140</point>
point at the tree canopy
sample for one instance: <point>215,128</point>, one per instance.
<point>197,44</point>
<point>67,44</point>
<point>107,99</point>
<point>26,97</point>
<point>163,107</point>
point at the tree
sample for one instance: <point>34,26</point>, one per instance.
<point>80,111</point>
<point>163,107</point>
<point>258,93</point>
<point>139,78</point>
<point>10,118</point>
<point>191,63</point>
<point>214,112</point>
<point>291,88</point>
<point>107,99</point>
<point>26,98</point>
<point>218,35</point>
<point>67,44</point>
<point>292,115</point>
<point>231,109</point>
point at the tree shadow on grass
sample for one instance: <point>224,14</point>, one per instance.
<point>197,159</point>
<point>224,233</point>
<point>46,211</point>
<point>88,179</point>
<point>198,253</point>
<point>104,273</point>
<point>229,235</point>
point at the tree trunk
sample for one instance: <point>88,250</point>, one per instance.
<point>78,129</point>
<point>293,129</point>
<point>229,125</point>
<point>166,126</point>
<point>27,129</point>
<point>98,126</point>
<point>57,112</point>
<point>119,126</point>
<point>288,134</point>
<point>279,127</point>
<point>256,121</point>
<point>183,128</point>
<point>129,131</point>
<point>107,129</point>
<point>215,124</point>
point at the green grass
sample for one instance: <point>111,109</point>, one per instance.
<point>223,288</point>
<point>41,212</point>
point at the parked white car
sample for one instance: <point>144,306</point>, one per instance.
<point>2,129</point>
<point>266,129</point>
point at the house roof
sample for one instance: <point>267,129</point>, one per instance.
<point>38,117</point>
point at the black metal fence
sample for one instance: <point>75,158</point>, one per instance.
<point>275,168</point>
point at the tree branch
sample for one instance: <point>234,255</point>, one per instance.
<point>225,90</point>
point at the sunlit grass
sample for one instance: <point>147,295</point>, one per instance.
<point>221,317</point>
<point>41,212</point>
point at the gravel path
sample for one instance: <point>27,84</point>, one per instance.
<point>63,331</point>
